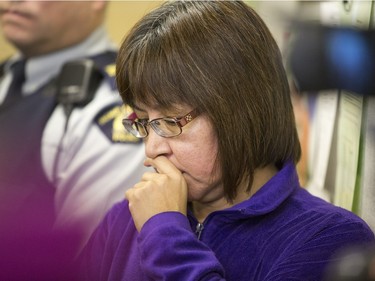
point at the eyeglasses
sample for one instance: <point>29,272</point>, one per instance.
<point>166,127</point>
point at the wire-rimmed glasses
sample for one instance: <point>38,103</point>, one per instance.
<point>166,127</point>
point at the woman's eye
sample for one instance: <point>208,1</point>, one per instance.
<point>157,122</point>
<point>170,122</point>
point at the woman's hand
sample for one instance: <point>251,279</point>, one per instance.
<point>163,191</point>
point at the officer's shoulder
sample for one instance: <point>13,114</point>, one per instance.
<point>106,64</point>
<point>109,121</point>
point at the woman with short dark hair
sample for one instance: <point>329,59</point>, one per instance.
<point>212,103</point>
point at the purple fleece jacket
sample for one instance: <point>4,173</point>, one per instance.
<point>280,233</point>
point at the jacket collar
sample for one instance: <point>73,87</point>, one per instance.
<point>272,194</point>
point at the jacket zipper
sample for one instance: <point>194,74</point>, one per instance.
<point>199,229</point>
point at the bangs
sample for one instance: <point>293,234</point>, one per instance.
<point>150,74</point>
<point>162,61</point>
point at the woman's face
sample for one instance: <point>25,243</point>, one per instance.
<point>193,152</point>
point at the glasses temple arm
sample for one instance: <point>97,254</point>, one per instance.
<point>189,117</point>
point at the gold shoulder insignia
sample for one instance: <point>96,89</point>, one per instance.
<point>110,123</point>
<point>111,69</point>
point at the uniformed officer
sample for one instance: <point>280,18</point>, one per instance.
<point>70,161</point>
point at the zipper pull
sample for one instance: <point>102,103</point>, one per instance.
<point>199,229</point>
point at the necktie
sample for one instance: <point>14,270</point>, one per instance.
<point>14,92</point>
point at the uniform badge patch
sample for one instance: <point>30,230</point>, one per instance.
<point>109,121</point>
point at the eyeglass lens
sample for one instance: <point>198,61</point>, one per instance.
<point>165,127</point>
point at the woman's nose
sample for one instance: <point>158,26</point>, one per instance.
<point>156,145</point>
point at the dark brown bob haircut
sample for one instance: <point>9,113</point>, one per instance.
<point>220,57</point>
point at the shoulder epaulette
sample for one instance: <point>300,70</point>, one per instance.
<point>106,64</point>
